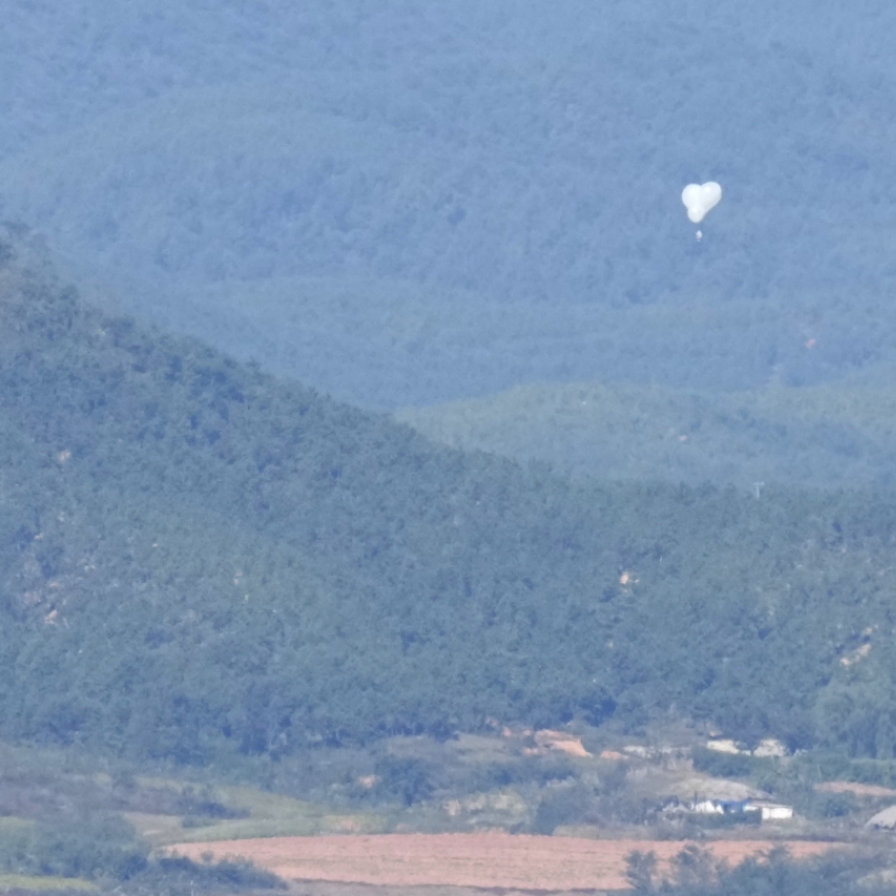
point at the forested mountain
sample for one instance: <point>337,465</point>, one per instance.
<point>837,435</point>
<point>404,203</point>
<point>199,560</point>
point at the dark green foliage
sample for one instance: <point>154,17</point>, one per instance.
<point>693,867</point>
<point>727,765</point>
<point>837,805</point>
<point>226,875</point>
<point>539,772</point>
<point>836,766</point>
<point>201,803</point>
<point>641,871</point>
<point>613,779</point>
<point>59,817</point>
<point>200,808</point>
<point>694,872</point>
<point>406,781</point>
<point>88,847</point>
<point>568,805</point>
<point>198,561</point>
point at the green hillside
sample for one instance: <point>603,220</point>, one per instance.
<point>830,436</point>
<point>200,561</point>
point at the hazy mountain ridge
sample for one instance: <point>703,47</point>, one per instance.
<point>528,161</point>
<point>823,437</point>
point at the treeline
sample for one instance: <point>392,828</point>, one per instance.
<point>696,872</point>
<point>824,437</point>
<point>59,817</point>
<point>197,560</point>
<point>104,848</point>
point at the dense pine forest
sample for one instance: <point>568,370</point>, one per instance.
<point>409,203</point>
<point>391,462</point>
<point>201,561</point>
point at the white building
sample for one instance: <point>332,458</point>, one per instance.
<point>768,811</point>
<point>724,745</point>
<point>773,811</point>
<point>884,820</point>
<point>770,748</point>
<point>709,807</point>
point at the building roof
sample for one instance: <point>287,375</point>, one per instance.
<point>886,818</point>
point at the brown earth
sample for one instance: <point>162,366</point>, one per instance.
<point>493,860</point>
<point>869,790</point>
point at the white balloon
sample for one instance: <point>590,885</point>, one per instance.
<point>712,193</point>
<point>699,199</point>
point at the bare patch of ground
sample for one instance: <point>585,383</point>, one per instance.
<point>327,888</point>
<point>483,861</point>
<point>870,790</point>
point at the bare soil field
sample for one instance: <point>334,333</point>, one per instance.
<point>869,790</point>
<point>491,860</point>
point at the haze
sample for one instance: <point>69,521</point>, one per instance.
<point>409,203</point>
<point>467,423</point>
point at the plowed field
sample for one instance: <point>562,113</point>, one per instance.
<point>486,860</point>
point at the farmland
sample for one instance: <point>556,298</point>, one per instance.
<point>482,860</point>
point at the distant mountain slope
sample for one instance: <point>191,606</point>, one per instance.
<point>198,560</point>
<point>823,437</point>
<point>513,172</point>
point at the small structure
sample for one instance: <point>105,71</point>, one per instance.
<point>709,807</point>
<point>885,820</point>
<point>772,811</point>
<point>770,748</point>
<point>767,811</point>
<point>722,807</point>
<point>724,745</point>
